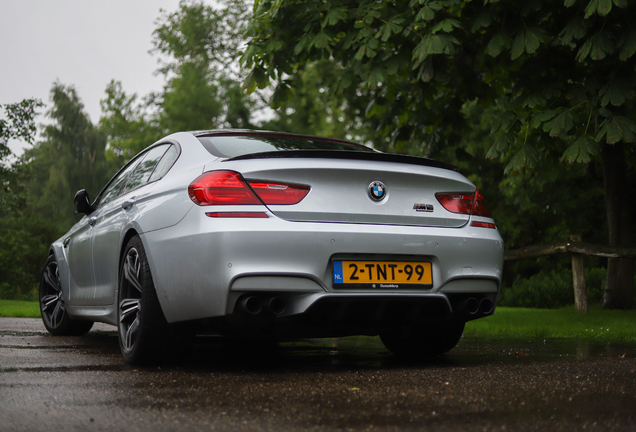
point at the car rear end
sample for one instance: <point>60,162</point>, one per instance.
<point>326,239</point>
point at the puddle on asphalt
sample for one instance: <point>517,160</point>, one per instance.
<point>222,353</point>
<point>368,352</point>
<point>514,350</point>
<point>83,368</point>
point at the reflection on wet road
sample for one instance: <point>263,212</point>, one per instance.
<point>82,383</point>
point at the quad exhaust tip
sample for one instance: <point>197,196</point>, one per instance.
<point>484,306</point>
<point>277,305</point>
<point>472,306</point>
<point>254,305</point>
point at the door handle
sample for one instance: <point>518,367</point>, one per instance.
<point>128,203</point>
<point>92,221</point>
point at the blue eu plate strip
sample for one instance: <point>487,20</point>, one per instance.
<point>338,277</point>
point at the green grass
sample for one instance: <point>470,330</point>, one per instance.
<point>516,323</point>
<point>19,309</point>
<point>600,324</point>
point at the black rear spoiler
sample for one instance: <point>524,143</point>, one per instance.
<point>346,154</point>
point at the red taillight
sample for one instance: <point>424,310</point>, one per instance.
<point>479,206</point>
<point>278,193</point>
<point>456,202</point>
<point>221,188</point>
<point>230,188</point>
<point>464,203</point>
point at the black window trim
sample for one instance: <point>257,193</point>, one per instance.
<point>137,158</point>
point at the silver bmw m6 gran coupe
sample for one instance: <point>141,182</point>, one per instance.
<point>273,235</point>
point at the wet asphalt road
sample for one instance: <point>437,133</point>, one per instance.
<point>352,384</point>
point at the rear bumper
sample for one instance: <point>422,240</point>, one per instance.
<point>204,268</point>
<point>334,315</point>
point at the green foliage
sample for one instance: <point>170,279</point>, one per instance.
<point>306,106</point>
<point>19,124</point>
<point>24,234</point>
<point>38,189</point>
<point>197,47</point>
<point>70,157</point>
<point>126,122</point>
<point>435,52</point>
<point>25,246</point>
<point>554,80</point>
<point>553,289</point>
<point>548,290</point>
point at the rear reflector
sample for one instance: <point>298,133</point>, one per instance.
<point>483,225</point>
<point>237,215</point>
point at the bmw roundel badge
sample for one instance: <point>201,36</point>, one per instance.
<point>377,191</point>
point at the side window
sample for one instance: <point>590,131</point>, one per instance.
<point>145,168</point>
<point>116,185</point>
<point>165,163</point>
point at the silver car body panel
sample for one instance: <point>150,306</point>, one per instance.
<point>202,265</point>
<point>232,250</point>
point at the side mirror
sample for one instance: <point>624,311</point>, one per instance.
<point>82,202</point>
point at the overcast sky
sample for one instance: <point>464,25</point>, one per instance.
<point>85,43</point>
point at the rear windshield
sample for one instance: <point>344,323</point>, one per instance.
<point>233,146</point>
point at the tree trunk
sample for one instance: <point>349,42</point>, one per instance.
<point>578,279</point>
<point>619,286</point>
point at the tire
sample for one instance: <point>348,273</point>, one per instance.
<point>145,337</point>
<point>424,340</point>
<point>52,305</point>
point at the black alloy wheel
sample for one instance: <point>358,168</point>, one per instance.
<point>145,337</point>
<point>52,305</point>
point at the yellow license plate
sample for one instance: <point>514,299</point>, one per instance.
<point>391,274</point>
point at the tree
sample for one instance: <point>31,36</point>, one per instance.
<point>70,157</point>
<point>127,123</point>
<point>198,47</point>
<point>306,106</point>
<point>19,124</point>
<point>23,233</point>
<point>558,75</point>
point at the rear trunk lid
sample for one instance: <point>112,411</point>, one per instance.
<point>359,188</point>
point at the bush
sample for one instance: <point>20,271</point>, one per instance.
<point>26,239</point>
<point>553,289</point>
<point>545,290</point>
<point>595,282</point>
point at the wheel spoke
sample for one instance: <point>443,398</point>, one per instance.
<point>57,314</point>
<point>129,321</point>
<point>130,333</point>
<point>52,277</point>
<point>132,266</point>
<point>51,299</point>
<point>128,308</point>
<point>48,301</point>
